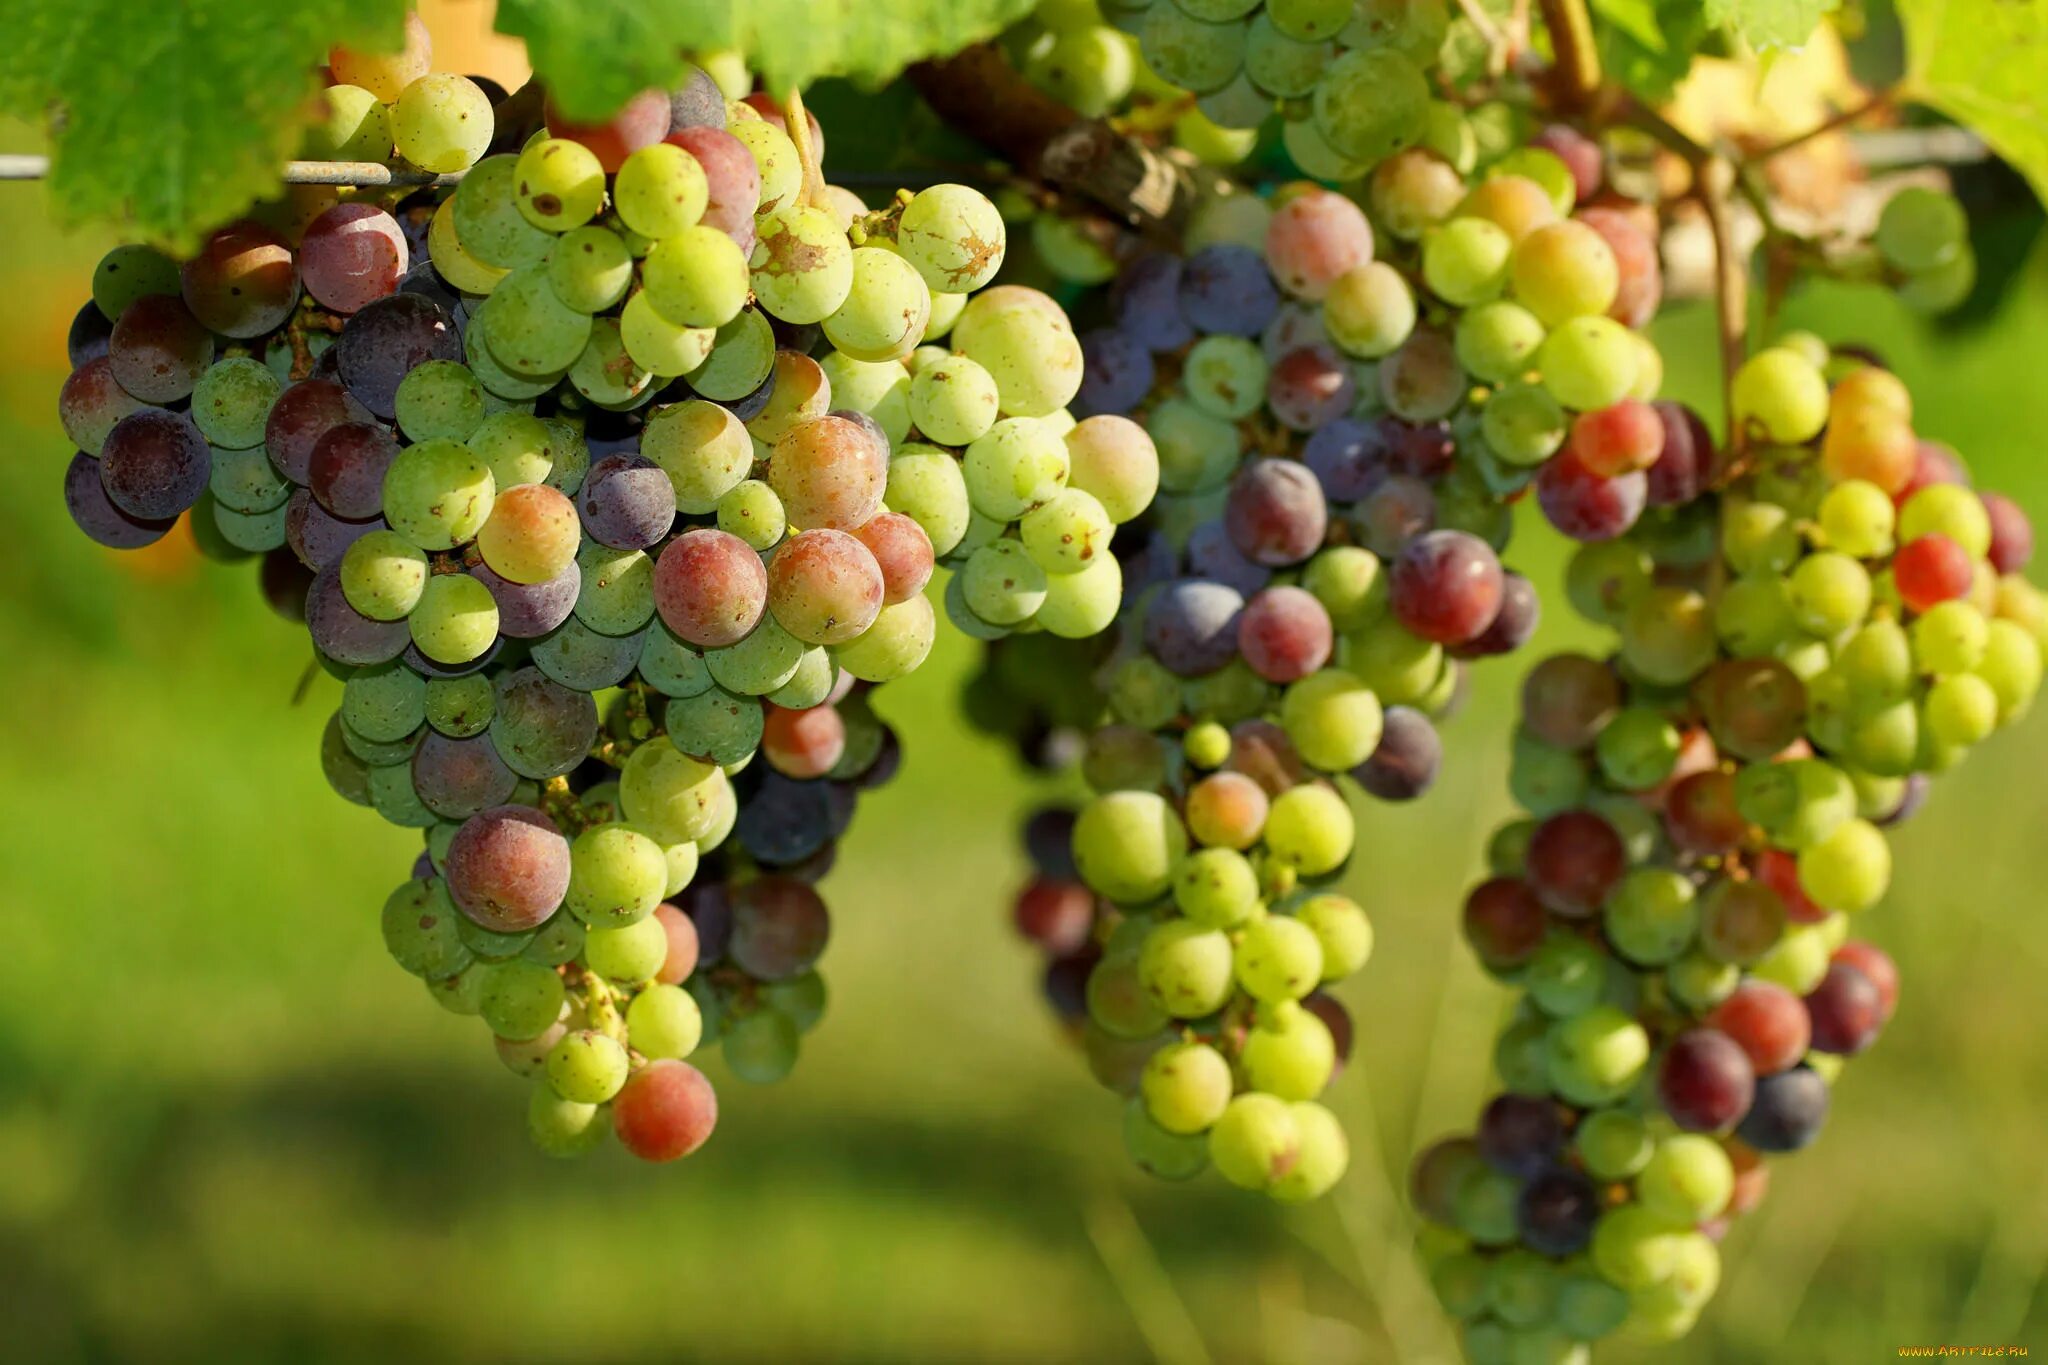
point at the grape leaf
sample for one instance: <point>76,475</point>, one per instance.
<point>1768,24</point>
<point>175,117</point>
<point>1648,45</point>
<point>1980,62</point>
<point>596,54</point>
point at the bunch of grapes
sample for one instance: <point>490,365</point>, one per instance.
<point>1706,816</point>
<point>548,470</point>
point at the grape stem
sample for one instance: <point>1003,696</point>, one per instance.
<point>1878,102</point>
<point>1499,44</point>
<point>1578,60</point>
<point>813,193</point>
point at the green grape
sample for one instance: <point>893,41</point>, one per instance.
<point>1371,103</point>
<point>751,511</point>
<point>392,796</point>
<point>1523,424</point>
<point>442,122</point>
<point>724,728</point>
<point>499,383</point>
<point>1310,828</point>
<point>1634,1248</point>
<point>953,236</point>
<point>928,486</point>
<point>1290,1054</point>
<point>1078,606</point>
<point>587,1067</point>
<point>1459,1281</point>
<point>438,494</point>
<point>1564,269</point>
<point>1312,153</point>
<point>1218,888</point>
<point>1002,583</point>
<point>456,619</point>
<point>1960,710</point>
<point>2011,663</point>
<point>895,645</point>
<point>1830,593</point>
<point>1398,667</point>
<point>1651,916</point>
<point>1195,450</point>
<point>1942,288</point>
<point>439,399</point>
<point>1565,976</point>
<point>1342,930</point>
<point>458,993</point>
<point>383,576</point>
<point>1798,802</point>
<point>1614,1143</point>
<point>1543,779</point>
<point>1018,465</point>
<point>1088,68</point>
<point>1485,1207</point>
<point>131,272</point>
<point>1687,1180</point>
<point>1225,376</point>
<point>420,930</point>
<point>529,331</point>
<point>1348,581</point>
<point>1322,1155</point>
<point>1067,534</point>
<point>1279,64</point>
<point>231,402</point>
<point>558,184</point>
<point>1369,311</point>
<point>1498,341</point>
<point>245,481</point>
<point>802,268</point>
<point>810,685</point>
<point>742,356</point>
<point>1465,261</point>
<point>1185,1087</point>
<point>669,795</point>
<point>1850,869</point>
<point>782,176</point>
<point>1758,537</point>
<point>515,446</point>
<point>460,707</point>
<point>884,311</point>
<point>1169,1156</point>
<point>1597,1055</point>
<point>563,1128</point>
<point>487,225</point>
<point>384,702</point>
<point>1129,845</point>
<point>1310,21</point>
<point>660,191</point>
<point>1255,1142</point>
<point>1857,518</point>
<point>1521,1057</point>
<point>616,875</point>
<point>631,953</point>
<point>1782,395</point>
<point>1951,510</point>
<point>1605,579</point>
<point>1279,958</point>
<point>1638,749</point>
<point>1589,1308</point>
<point>617,593</point>
<point>659,346</point>
<point>698,278</point>
<point>520,999</point>
<point>591,269</point>
<point>953,401</point>
<point>1118,1002</point>
<point>879,389</point>
<point>606,373</point>
<point>1589,363</point>
<point>1922,229</point>
<point>1333,718</point>
<point>755,666</point>
<point>762,1048</point>
<point>702,447</point>
<point>354,126</point>
<point>664,1021</point>
<point>1668,635</point>
<point>1521,1288</point>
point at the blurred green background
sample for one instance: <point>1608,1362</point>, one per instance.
<point>231,1130</point>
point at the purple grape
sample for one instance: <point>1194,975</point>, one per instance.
<point>696,102</point>
<point>1310,388</point>
<point>527,611</point>
<point>1521,610</point>
<point>1446,587</point>
<point>1225,288</point>
<point>1275,512</point>
<point>1147,303</point>
<point>1049,842</point>
<point>1348,457</point>
<point>430,668</point>
<point>298,419</point>
<point>1584,505</point>
<point>1556,1212</point>
<point>1212,556</point>
<point>1705,1082</point>
<point>284,581</point>
<point>385,340</point>
<point>1788,1111</point>
<point>1423,449</point>
<point>888,761</point>
<point>1117,372</point>
<point>87,340</point>
<point>317,536</point>
<point>158,350</point>
<point>1393,512</point>
<point>1846,1009</point>
<point>752,406</point>
<point>783,821</point>
<point>347,470</point>
<point>426,281</point>
<point>1191,626</point>
<point>709,906</point>
<point>1405,764</point>
<point>85,497</point>
<point>457,778</point>
<point>1520,1135</point>
<point>1285,634</point>
<point>779,928</point>
<point>627,502</point>
<point>542,729</point>
<point>344,634</point>
<point>1688,457</point>
<point>154,464</point>
<point>1066,983</point>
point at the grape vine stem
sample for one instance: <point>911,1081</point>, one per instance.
<point>1856,113</point>
<point>1577,57</point>
<point>813,193</point>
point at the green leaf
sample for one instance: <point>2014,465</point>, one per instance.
<point>1768,24</point>
<point>175,116</point>
<point>1981,63</point>
<point>1647,46</point>
<point>596,54</point>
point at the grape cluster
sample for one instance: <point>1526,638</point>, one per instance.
<point>1706,816</point>
<point>548,470</point>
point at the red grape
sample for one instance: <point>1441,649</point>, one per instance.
<point>352,255</point>
<point>1767,1022</point>
<point>242,283</point>
<point>1635,256</point>
<point>508,868</point>
<point>824,587</point>
<point>158,349</point>
<point>1619,439</point>
<point>1275,512</point>
<point>1876,964</point>
<point>1573,861</point>
<point>902,550</point>
<point>2012,534</point>
<point>1568,699</point>
<point>1505,923</point>
<point>1284,634</point>
<point>348,466</point>
<point>1701,815</point>
<point>1446,587</point>
<point>1705,1081</point>
<point>803,744</point>
<point>830,473</point>
<point>1930,570</point>
<point>1847,1011</point>
<point>710,587</point>
<point>665,1111</point>
<point>682,945</point>
<point>298,419</point>
<point>732,175</point>
<point>1585,505</point>
<point>643,122</point>
<point>1058,916</point>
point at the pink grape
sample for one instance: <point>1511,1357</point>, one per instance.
<point>665,1111</point>
<point>830,473</point>
<point>903,552</point>
<point>1284,634</point>
<point>1446,587</point>
<point>824,587</point>
<point>732,175</point>
<point>298,419</point>
<point>158,349</point>
<point>710,588</point>
<point>1313,239</point>
<point>1585,505</point>
<point>1275,512</point>
<point>1635,255</point>
<point>643,122</point>
<point>352,255</point>
<point>242,283</point>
